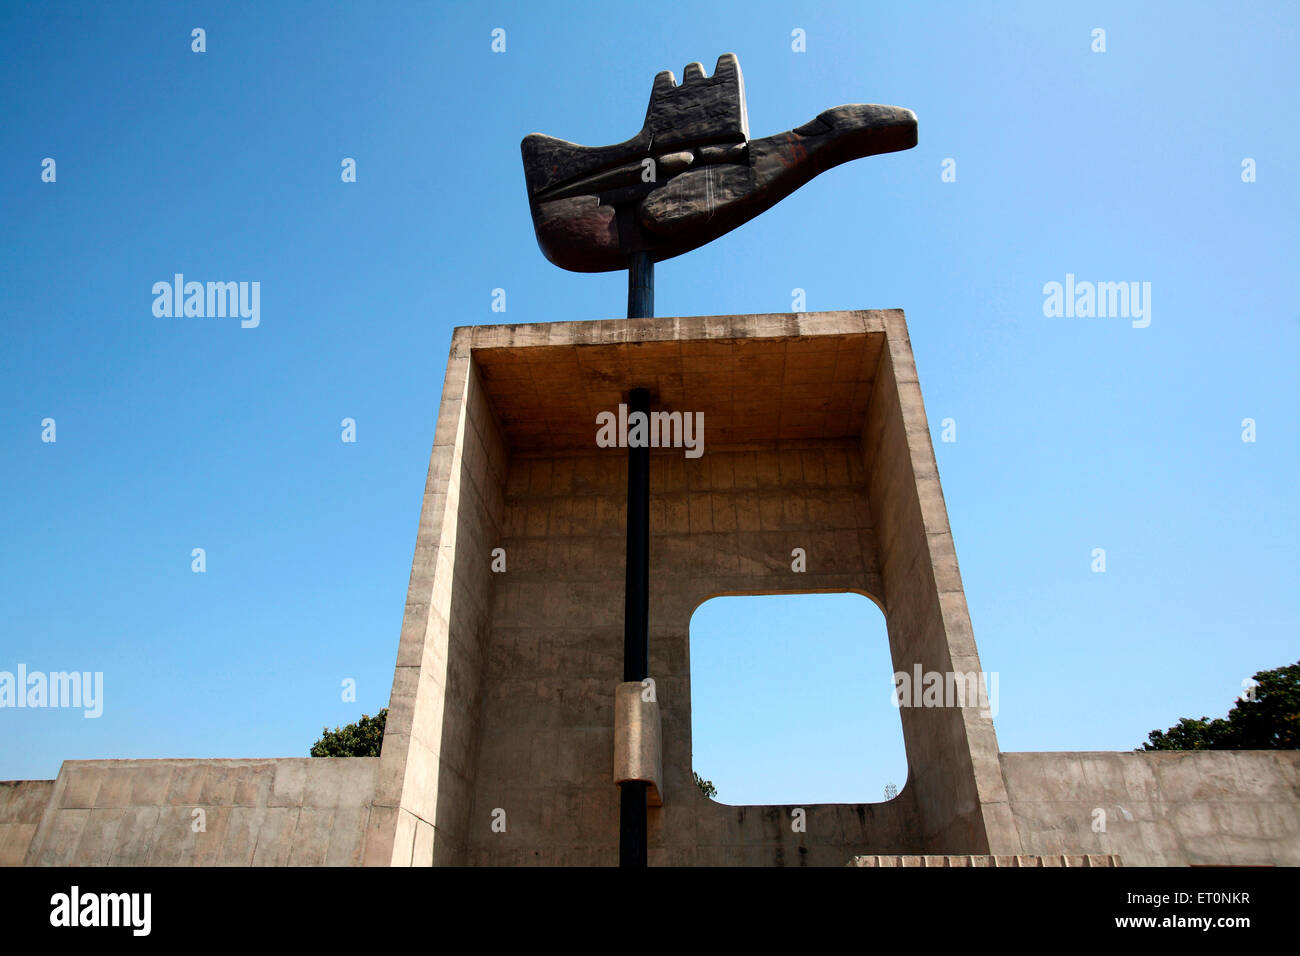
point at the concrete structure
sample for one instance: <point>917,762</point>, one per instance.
<point>282,812</point>
<point>1167,808</point>
<point>499,747</point>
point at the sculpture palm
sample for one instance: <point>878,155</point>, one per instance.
<point>691,175</point>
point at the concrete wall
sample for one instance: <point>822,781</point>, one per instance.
<point>502,707</point>
<point>724,523</point>
<point>1161,809</point>
<point>430,740</point>
<point>501,710</point>
<point>280,812</point>
<point>502,700</point>
<point>952,751</point>
<point>22,804</point>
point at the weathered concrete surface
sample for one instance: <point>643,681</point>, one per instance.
<point>502,708</point>
<point>427,766</point>
<point>499,746</point>
<point>22,803</point>
<point>815,437</point>
<point>279,812</point>
<point>1160,808</point>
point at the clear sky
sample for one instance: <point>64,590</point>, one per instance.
<point>1072,433</point>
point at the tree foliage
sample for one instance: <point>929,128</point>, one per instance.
<point>706,786</point>
<point>362,739</point>
<point>1266,718</point>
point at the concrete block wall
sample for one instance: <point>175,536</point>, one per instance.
<point>22,804</point>
<point>427,764</point>
<point>955,780</point>
<point>802,474</point>
<point>1186,808</point>
<point>721,524</point>
<point>278,812</point>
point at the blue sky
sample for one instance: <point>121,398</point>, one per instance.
<point>1072,433</point>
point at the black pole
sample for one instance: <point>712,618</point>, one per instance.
<point>632,832</point>
<point>640,286</point>
<point>636,638</point>
<point>636,607</point>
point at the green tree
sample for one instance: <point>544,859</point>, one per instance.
<point>1266,718</point>
<point>706,786</point>
<point>362,739</point>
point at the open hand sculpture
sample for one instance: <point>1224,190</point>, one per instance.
<point>691,174</point>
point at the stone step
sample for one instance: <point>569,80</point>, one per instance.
<point>1055,859</point>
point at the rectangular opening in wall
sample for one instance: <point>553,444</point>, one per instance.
<point>792,700</point>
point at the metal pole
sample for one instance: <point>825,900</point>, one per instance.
<point>636,607</point>
<point>640,286</point>
<point>632,833</point>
